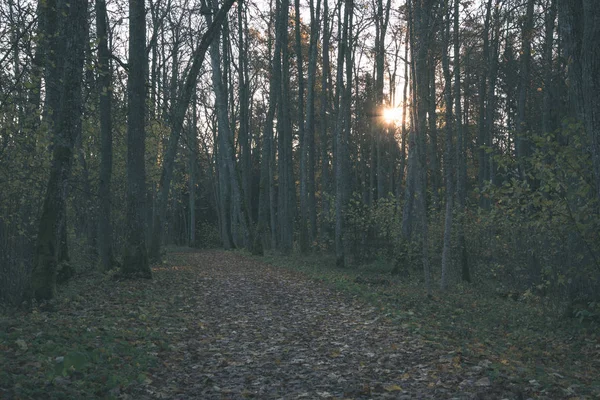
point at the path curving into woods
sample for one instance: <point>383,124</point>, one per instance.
<point>239,329</point>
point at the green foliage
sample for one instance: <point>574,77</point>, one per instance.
<point>373,232</point>
<point>478,330</point>
<point>541,234</point>
<point>89,345</point>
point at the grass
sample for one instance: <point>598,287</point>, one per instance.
<point>93,340</point>
<point>102,338</point>
<point>520,340</point>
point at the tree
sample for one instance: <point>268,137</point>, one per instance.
<point>342,130</point>
<point>286,189</point>
<point>461,166</point>
<point>135,257</point>
<point>415,203</point>
<point>448,154</point>
<point>105,250</point>
<point>67,29</point>
<point>176,125</point>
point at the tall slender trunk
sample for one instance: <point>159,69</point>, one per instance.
<point>412,168</point>
<point>193,160</point>
<point>340,136</point>
<point>591,76</point>
<point>420,41</point>
<point>448,154</point>
<point>482,129</point>
<point>135,258</point>
<point>402,178</point>
<point>491,101</point>
<point>522,143</point>
<point>244,94</point>
<point>461,166</point>
<point>301,135</point>
<point>434,168</point>
<point>105,250</point>
<point>548,124</point>
<point>324,131</point>
<point>310,117</point>
<point>266,227</point>
<point>286,202</point>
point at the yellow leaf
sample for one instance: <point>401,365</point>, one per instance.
<point>393,388</point>
<point>505,362</point>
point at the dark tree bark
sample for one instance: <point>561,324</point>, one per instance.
<point>434,164</point>
<point>286,185</point>
<point>483,82</point>
<point>448,153</point>
<point>402,178</point>
<point>105,250</point>
<point>310,116</point>
<point>64,82</point>
<point>265,228</point>
<point>304,241</point>
<point>382,17</point>
<point>415,203</point>
<point>324,131</point>
<point>244,104</point>
<point>548,124</point>
<point>135,257</point>
<point>461,163</point>
<point>192,167</point>
<point>342,131</point>
<point>590,71</point>
<point>522,143</point>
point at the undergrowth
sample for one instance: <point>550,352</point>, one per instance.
<point>519,336</point>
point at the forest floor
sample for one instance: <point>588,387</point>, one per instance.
<point>223,325</point>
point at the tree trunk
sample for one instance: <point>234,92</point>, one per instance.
<point>105,250</point>
<point>286,204</point>
<point>193,160</point>
<point>265,228</point>
<point>340,145</point>
<point>135,258</point>
<point>591,76</point>
<point>420,42</point>
<point>548,107</point>
<point>66,83</point>
<point>324,131</point>
<point>461,164</point>
<point>448,154</point>
<point>310,117</point>
<point>304,241</point>
<point>482,129</point>
<point>434,167</point>
<point>522,143</point>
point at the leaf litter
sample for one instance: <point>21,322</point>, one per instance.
<point>218,325</point>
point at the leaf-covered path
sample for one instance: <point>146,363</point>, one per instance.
<point>219,325</point>
<point>241,329</point>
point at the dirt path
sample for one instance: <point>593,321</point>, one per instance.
<point>242,329</point>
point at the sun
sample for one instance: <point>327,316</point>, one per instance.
<point>392,116</point>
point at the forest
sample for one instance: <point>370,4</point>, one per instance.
<point>454,144</point>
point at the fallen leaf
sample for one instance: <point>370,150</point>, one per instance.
<point>22,345</point>
<point>393,388</point>
<point>483,382</point>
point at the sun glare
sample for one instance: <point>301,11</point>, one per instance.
<point>392,115</point>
